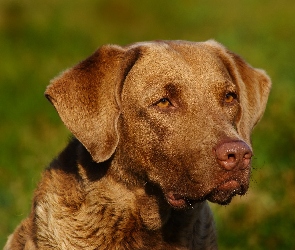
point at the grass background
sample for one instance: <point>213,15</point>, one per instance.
<point>38,39</point>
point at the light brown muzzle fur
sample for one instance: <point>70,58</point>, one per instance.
<point>160,127</point>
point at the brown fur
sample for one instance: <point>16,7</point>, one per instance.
<point>139,173</point>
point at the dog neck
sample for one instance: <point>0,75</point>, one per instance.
<point>112,213</point>
<point>133,192</point>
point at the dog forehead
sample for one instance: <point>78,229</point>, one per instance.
<point>191,66</point>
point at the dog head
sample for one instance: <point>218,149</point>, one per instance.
<point>175,113</point>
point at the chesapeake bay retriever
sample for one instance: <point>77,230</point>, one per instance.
<point>160,127</point>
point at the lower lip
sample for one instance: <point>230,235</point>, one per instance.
<point>177,203</point>
<point>229,186</point>
<point>175,200</point>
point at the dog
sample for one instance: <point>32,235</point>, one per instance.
<point>159,128</point>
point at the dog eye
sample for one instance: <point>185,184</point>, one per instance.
<point>163,103</point>
<point>230,97</point>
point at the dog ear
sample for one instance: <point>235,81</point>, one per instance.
<point>87,98</point>
<point>254,86</point>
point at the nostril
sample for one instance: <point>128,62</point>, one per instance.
<point>231,157</point>
<point>246,160</point>
<point>248,155</point>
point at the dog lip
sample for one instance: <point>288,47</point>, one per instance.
<point>179,201</point>
<point>176,200</point>
<point>229,186</point>
<point>224,192</point>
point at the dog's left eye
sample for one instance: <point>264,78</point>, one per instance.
<point>163,103</point>
<point>230,97</point>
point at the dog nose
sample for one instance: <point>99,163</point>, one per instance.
<point>231,155</point>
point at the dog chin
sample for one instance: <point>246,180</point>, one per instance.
<point>224,193</point>
<point>220,199</point>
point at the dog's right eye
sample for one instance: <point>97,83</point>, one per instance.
<point>163,103</point>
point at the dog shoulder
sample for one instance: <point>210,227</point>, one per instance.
<point>72,189</point>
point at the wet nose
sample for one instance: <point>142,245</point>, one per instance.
<point>234,154</point>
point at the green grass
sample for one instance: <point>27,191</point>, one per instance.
<point>38,39</point>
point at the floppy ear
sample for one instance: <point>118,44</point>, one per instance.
<point>87,98</point>
<point>254,87</point>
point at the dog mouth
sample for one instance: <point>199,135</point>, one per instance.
<point>222,194</point>
<point>179,201</point>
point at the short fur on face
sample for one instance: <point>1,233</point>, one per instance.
<point>148,118</point>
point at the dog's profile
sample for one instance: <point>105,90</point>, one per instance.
<point>159,128</point>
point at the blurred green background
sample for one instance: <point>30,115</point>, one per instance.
<point>38,39</point>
